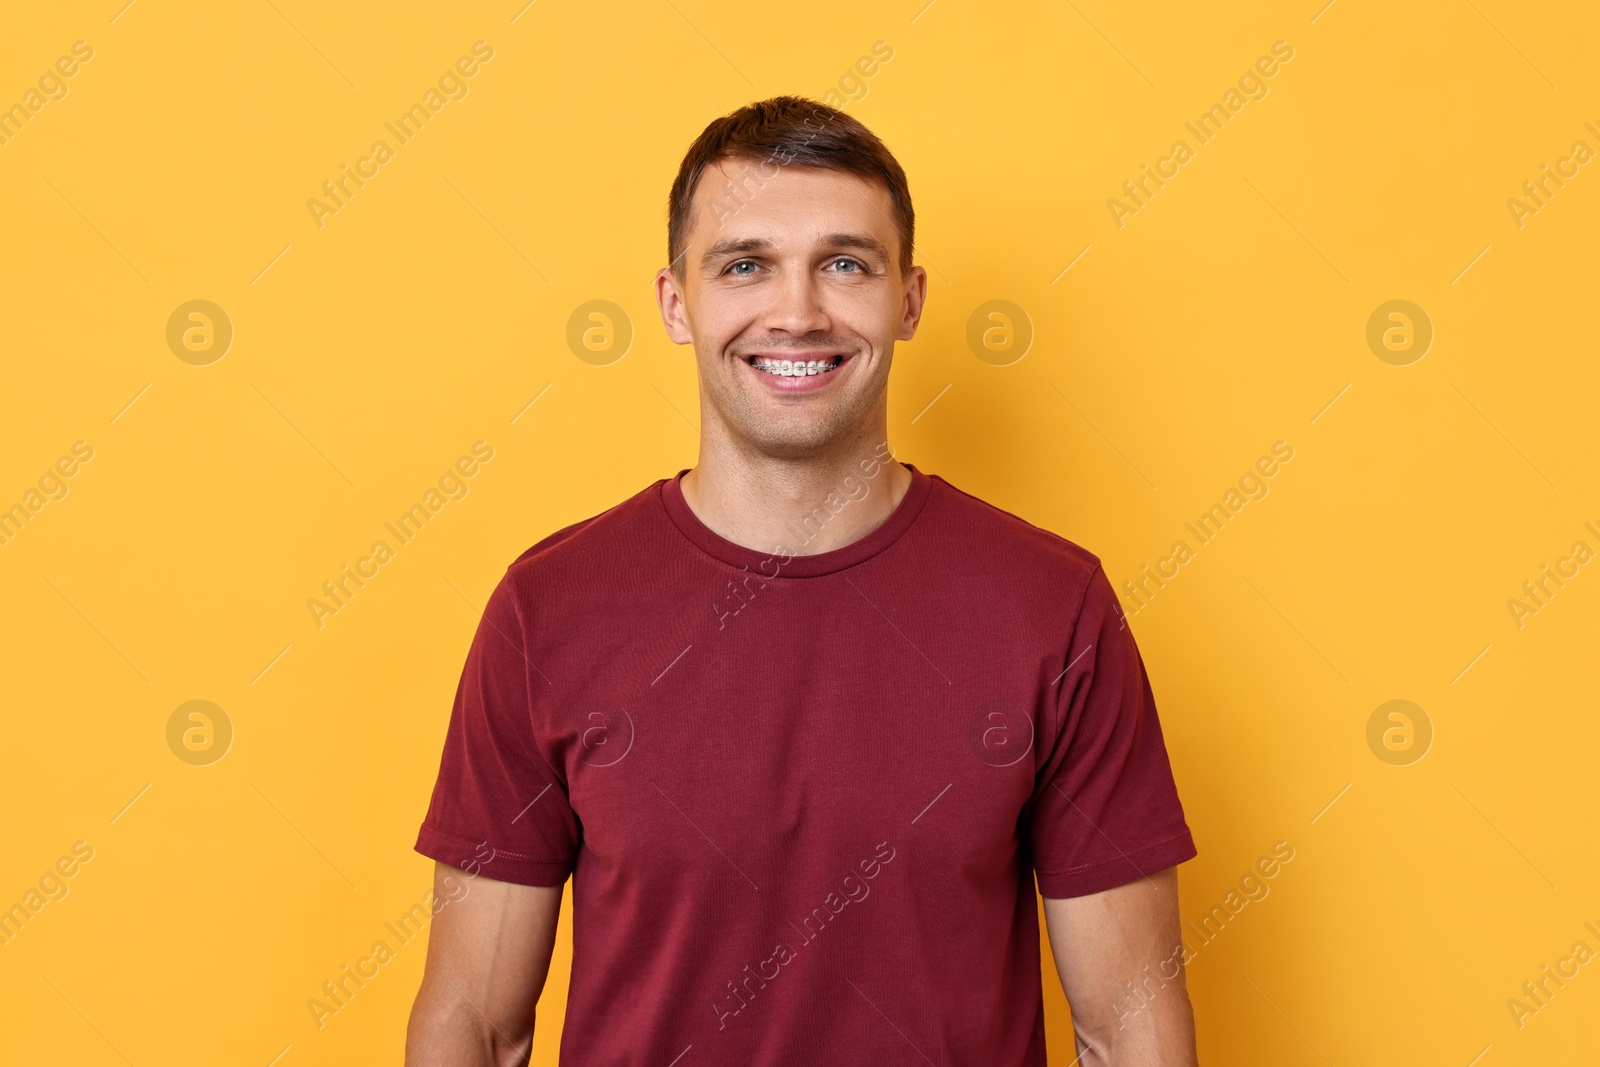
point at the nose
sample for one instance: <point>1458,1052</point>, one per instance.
<point>797,306</point>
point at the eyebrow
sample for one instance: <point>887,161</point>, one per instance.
<point>731,245</point>
<point>863,241</point>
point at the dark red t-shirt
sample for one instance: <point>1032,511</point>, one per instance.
<point>803,798</point>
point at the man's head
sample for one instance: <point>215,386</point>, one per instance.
<point>790,237</point>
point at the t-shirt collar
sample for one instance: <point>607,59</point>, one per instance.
<point>788,560</point>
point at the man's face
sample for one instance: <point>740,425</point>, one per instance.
<point>802,269</point>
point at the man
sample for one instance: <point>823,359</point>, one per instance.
<point>803,723</point>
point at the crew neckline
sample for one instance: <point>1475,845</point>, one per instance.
<point>813,565</point>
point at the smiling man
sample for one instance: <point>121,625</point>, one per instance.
<point>803,724</point>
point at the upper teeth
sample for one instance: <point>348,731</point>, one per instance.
<point>795,368</point>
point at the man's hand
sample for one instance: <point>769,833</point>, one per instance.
<point>488,954</point>
<point>1120,957</point>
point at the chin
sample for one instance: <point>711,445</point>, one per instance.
<point>783,432</point>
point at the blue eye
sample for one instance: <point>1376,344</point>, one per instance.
<point>852,263</point>
<point>742,263</point>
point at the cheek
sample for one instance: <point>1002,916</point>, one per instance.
<point>884,328</point>
<point>720,319</point>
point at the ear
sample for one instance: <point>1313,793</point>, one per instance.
<point>674,310</point>
<point>916,293</point>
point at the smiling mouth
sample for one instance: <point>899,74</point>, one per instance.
<point>808,367</point>
<point>797,368</point>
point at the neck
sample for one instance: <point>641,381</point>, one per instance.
<point>801,506</point>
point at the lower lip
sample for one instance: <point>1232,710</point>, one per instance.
<point>797,383</point>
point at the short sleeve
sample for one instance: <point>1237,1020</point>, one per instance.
<point>498,809</point>
<point>1105,808</point>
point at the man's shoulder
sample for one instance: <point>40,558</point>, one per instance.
<point>1001,538</point>
<point>597,541</point>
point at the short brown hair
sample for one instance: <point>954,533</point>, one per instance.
<point>790,130</point>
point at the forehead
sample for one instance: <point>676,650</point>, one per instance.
<point>793,202</point>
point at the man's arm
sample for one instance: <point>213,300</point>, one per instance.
<point>1105,941</point>
<point>488,954</point>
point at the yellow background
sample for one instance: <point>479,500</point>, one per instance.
<point>428,313</point>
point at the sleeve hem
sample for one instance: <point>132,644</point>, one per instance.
<point>1108,874</point>
<point>502,866</point>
